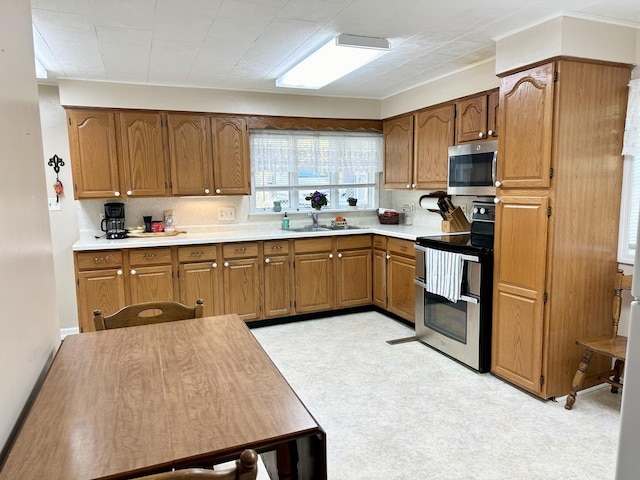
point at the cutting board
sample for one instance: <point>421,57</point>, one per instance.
<point>156,234</point>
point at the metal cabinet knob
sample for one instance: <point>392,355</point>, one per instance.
<point>129,192</point>
<point>119,272</point>
<point>496,200</point>
<point>331,255</point>
<point>206,190</point>
<point>339,255</point>
<point>408,186</point>
<point>214,265</point>
<point>266,260</point>
<point>480,135</point>
<point>388,257</point>
<point>490,133</point>
<point>226,264</point>
<point>116,194</point>
<point>413,185</point>
<point>217,190</point>
<point>133,272</point>
<point>498,183</point>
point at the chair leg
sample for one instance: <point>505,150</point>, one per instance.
<point>617,368</point>
<point>578,379</point>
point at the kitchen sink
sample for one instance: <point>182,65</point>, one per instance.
<point>323,228</point>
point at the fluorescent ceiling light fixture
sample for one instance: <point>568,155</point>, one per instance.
<point>342,55</point>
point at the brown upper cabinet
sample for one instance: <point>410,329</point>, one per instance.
<point>136,153</point>
<point>94,155</point>
<point>476,118</point>
<point>416,148</point>
<point>143,161</point>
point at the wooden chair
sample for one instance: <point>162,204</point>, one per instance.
<point>613,346</point>
<point>246,468</point>
<point>147,313</point>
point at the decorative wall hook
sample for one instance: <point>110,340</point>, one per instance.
<point>56,162</point>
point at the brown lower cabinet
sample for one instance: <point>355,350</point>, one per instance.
<point>256,280</point>
<point>393,273</point>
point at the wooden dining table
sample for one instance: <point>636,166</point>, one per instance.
<point>121,403</point>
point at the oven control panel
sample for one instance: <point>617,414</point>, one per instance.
<point>483,212</point>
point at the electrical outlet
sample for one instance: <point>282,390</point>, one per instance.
<point>54,204</point>
<point>226,214</point>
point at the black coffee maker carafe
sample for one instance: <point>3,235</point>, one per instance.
<point>113,221</point>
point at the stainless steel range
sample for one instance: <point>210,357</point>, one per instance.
<point>454,284</point>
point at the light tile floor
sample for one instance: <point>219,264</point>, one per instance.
<point>406,411</point>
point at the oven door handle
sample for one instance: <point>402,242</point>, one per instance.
<point>466,258</point>
<point>465,298</point>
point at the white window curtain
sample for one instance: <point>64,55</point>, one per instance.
<point>631,187</point>
<point>324,153</point>
<point>287,165</point>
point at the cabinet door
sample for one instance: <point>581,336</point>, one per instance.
<point>94,158</point>
<point>99,290</point>
<point>277,286</point>
<point>398,152</point>
<point>143,154</point>
<point>471,119</point>
<point>151,284</point>
<point>380,278</point>
<point>526,127</point>
<point>354,282</point>
<point>231,165</point>
<point>401,295</point>
<point>242,288</point>
<point>189,154</point>
<point>434,134</point>
<point>519,277</point>
<point>314,282</point>
<point>202,280</point>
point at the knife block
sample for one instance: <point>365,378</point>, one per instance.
<point>456,222</point>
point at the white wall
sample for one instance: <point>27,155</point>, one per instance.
<point>29,322</point>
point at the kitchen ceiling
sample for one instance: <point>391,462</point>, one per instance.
<point>247,44</point>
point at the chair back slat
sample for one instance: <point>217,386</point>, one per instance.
<point>147,313</point>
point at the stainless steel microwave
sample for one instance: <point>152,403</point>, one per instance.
<point>472,168</point>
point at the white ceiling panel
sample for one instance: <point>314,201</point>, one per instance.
<point>246,44</point>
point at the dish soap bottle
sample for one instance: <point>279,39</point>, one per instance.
<point>285,222</point>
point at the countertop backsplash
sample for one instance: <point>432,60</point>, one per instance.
<point>200,214</point>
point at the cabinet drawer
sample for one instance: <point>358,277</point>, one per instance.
<point>351,242</point>
<point>312,245</point>
<point>403,247</point>
<point>99,259</point>
<point>197,253</point>
<point>280,247</point>
<point>149,256</point>
<point>240,250</point>
<point>379,242</point>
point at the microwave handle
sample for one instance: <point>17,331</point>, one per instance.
<point>494,167</point>
<point>467,258</point>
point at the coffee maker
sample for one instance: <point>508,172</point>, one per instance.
<point>113,221</point>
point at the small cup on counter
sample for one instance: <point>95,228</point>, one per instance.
<point>147,223</point>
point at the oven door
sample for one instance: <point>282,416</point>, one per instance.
<point>452,327</point>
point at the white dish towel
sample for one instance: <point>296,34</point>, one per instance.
<point>443,273</point>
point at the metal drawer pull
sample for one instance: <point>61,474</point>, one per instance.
<point>242,249</point>
<point>101,259</point>
<point>197,252</point>
<point>149,255</point>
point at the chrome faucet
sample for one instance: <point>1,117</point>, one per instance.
<point>314,218</point>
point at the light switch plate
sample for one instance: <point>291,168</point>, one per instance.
<point>226,214</point>
<point>54,204</point>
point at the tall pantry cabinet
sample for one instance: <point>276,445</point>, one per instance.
<point>558,204</point>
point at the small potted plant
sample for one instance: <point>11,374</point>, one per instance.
<point>352,201</point>
<point>318,200</point>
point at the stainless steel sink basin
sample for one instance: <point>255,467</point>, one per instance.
<point>323,228</point>
<point>340,227</point>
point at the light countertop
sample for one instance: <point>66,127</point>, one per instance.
<point>407,232</point>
